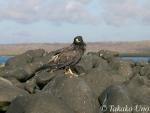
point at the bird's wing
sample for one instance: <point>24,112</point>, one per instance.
<point>57,53</point>
<point>65,58</point>
<point>61,58</point>
<point>62,50</point>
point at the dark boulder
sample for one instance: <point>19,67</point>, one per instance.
<point>149,61</point>
<point>74,92</point>
<point>43,77</point>
<point>40,79</point>
<point>141,63</point>
<point>38,103</point>
<point>89,62</point>
<point>31,86</point>
<point>139,90</point>
<point>18,73</point>
<point>99,79</point>
<point>8,92</point>
<point>122,67</point>
<point>24,66</point>
<point>108,55</point>
<point>130,93</point>
<point>16,83</point>
<point>145,71</point>
<point>25,58</point>
<point>118,81</point>
<point>99,73</point>
<point>115,96</point>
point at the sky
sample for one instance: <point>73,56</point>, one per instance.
<point>49,21</point>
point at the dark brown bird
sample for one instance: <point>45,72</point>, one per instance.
<point>67,57</point>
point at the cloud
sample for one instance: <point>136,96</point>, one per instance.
<point>28,11</point>
<point>71,11</point>
<point>20,11</point>
<point>111,12</point>
<point>120,12</point>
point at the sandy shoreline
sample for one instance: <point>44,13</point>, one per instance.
<point>122,47</point>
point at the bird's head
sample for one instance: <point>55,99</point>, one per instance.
<point>79,41</point>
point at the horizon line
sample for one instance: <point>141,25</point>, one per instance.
<point>90,42</point>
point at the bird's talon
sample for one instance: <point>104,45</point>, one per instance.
<point>76,75</point>
<point>70,73</point>
<point>70,76</point>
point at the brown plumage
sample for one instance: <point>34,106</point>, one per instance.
<point>66,57</point>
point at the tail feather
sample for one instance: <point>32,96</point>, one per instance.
<point>43,67</point>
<point>50,66</point>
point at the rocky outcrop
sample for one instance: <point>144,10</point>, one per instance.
<point>38,103</point>
<point>74,92</point>
<point>133,94</point>
<point>8,92</point>
<point>104,79</point>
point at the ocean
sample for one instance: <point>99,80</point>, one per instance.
<point>3,59</point>
<point>137,58</point>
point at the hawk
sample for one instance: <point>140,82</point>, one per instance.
<point>67,57</point>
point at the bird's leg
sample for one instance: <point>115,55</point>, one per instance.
<point>50,70</point>
<point>68,71</point>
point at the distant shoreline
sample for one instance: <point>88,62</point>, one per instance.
<point>140,48</point>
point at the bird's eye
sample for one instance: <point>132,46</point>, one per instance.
<point>77,40</point>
